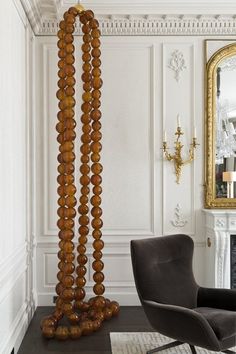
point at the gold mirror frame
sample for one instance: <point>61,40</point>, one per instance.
<point>210,127</point>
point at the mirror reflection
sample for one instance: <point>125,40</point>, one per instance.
<point>225,148</point>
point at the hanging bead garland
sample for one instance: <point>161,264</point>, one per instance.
<point>84,317</point>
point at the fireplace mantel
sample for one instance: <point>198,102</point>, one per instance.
<point>220,224</point>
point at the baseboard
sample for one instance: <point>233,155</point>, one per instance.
<point>128,299</point>
<point>18,330</point>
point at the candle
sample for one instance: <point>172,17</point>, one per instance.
<point>164,136</point>
<point>194,132</point>
<point>178,121</point>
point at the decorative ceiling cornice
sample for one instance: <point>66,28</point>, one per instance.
<point>138,17</point>
<point>160,25</point>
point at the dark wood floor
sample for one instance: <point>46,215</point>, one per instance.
<point>130,319</point>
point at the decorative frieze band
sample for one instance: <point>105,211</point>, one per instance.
<point>128,25</point>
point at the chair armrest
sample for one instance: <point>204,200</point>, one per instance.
<point>182,324</point>
<point>224,299</point>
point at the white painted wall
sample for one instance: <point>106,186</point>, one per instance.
<point>16,251</point>
<point>141,198</point>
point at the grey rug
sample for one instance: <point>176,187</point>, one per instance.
<point>141,342</point>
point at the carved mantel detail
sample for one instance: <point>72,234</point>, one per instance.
<point>220,224</point>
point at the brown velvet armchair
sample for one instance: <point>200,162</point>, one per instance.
<point>174,303</point>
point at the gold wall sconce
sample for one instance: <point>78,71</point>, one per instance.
<point>177,156</point>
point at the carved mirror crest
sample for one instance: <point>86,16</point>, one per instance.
<point>220,133</point>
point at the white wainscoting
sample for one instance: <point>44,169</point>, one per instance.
<point>17,296</point>
<point>141,97</point>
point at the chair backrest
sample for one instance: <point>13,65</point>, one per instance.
<point>162,268</point>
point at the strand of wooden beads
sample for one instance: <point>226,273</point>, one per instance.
<point>70,299</point>
<point>66,189</point>
<point>84,170</point>
<point>67,295</point>
<point>96,168</point>
<point>104,308</point>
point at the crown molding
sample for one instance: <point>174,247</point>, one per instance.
<point>136,17</point>
<point>33,13</point>
<point>156,6</point>
<point>128,25</point>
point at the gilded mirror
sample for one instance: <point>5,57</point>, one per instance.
<point>220,170</point>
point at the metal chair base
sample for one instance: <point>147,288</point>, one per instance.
<point>163,347</point>
<point>177,343</point>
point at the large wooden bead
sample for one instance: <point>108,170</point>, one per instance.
<point>75,332</point>
<point>48,321</point>
<point>68,280</point>
<point>70,201</point>
<point>67,308</point>
<point>70,81</point>
<point>98,277</point>
<point>86,327</point>
<point>80,282</point>
<point>96,325</point>
<point>62,333</point>
<point>86,28</point>
<point>69,49</point>
<point>98,245</point>
<point>96,53</point>
<point>59,288</point>
<point>82,259</point>
<point>68,294</point>
<point>107,313</point>
<point>89,15</point>
<point>74,318</point>
<point>86,39</point>
<point>98,266</point>
<point>99,302</point>
<point>95,43</point>
<point>68,38</point>
<point>93,23</point>
<point>62,25</point>
<point>69,257</point>
<point>57,314</point>
<point>81,271</point>
<point>99,315</point>
<point>69,17</point>
<point>61,34</point>
<point>69,268</point>
<point>98,289</point>
<point>48,332</point>
<point>96,33</point>
<point>70,70</point>
<point>114,306</point>
<point>73,11</point>
<point>79,294</point>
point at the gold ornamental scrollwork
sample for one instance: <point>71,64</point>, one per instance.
<point>210,127</point>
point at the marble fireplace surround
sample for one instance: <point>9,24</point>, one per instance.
<point>220,224</point>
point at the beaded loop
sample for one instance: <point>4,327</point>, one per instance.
<point>84,316</point>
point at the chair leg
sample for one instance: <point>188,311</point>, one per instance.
<point>163,347</point>
<point>193,350</point>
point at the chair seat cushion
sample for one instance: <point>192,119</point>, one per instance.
<point>223,322</point>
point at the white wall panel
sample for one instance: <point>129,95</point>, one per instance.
<point>16,246</point>
<point>127,138</point>
<point>178,98</point>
